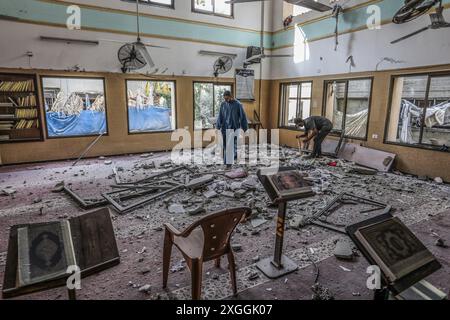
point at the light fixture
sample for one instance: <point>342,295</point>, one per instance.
<point>215,53</point>
<point>68,41</point>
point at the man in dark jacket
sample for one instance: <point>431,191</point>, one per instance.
<point>315,127</point>
<point>231,117</point>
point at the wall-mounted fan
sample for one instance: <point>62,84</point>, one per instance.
<point>413,9</point>
<point>437,22</point>
<point>222,65</point>
<point>134,55</point>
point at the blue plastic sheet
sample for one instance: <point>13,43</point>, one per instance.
<point>86,123</point>
<point>149,119</point>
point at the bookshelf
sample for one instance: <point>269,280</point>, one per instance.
<point>19,108</point>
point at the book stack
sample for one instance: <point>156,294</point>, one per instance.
<point>25,124</point>
<point>6,104</point>
<point>6,125</point>
<point>29,101</point>
<point>4,137</point>
<point>17,86</point>
<point>26,113</point>
<point>6,116</point>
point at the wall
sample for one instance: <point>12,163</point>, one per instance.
<point>118,141</point>
<point>409,159</point>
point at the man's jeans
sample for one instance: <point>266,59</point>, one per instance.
<point>317,151</point>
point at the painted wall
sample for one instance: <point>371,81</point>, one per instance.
<point>312,42</point>
<point>118,141</point>
<point>409,159</point>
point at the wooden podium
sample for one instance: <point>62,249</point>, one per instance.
<point>279,265</point>
<point>95,249</point>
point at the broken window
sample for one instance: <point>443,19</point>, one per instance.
<point>208,97</point>
<point>151,106</point>
<point>420,111</point>
<point>74,106</point>
<point>295,102</point>
<point>347,105</point>
<point>214,7</point>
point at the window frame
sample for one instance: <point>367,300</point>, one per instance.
<point>193,98</point>
<point>423,146</point>
<point>212,13</point>
<point>336,132</point>
<point>299,98</point>
<point>154,4</point>
<point>175,106</point>
<point>41,80</point>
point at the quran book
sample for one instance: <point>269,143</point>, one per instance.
<point>394,248</point>
<point>289,183</point>
<point>45,251</point>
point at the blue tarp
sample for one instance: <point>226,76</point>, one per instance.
<point>87,123</point>
<point>149,119</point>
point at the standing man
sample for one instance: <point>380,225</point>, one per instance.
<point>315,127</point>
<point>231,118</point>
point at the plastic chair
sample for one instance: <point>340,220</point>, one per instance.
<point>205,240</point>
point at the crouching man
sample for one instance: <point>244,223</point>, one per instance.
<point>315,127</point>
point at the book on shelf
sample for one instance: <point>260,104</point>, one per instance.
<point>394,248</point>
<point>6,116</point>
<point>26,113</point>
<point>6,104</point>
<point>45,251</point>
<point>25,124</point>
<point>17,86</point>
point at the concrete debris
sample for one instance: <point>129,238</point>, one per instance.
<point>196,211</point>
<point>364,170</point>
<point>58,187</point>
<point>146,155</point>
<point>236,174</point>
<point>253,276</point>
<point>235,186</point>
<point>343,250</point>
<point>240,193</point>
<point>236,247</point>
<point>108,162</point>
<point>257,222</point>
<point>227,194</point>
<point>321,293</point>
<point>256,259</point>
<point>297,222</point>
<point>176,208</point>
<point>210,194</point>
<point>145,288</point>
<point>178,267</point>
<point>345,269</point>
<point>438,180</point>
<point>8,191</point>
<point>200,182</point>
<point>440,243</point>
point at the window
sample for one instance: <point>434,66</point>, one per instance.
<point>294,10</point>
<point>208,97</point>
<point>420,111</point>
<point>215,7</point>
<point>74,106</point>
<point>295,102</point>
<point>347,105</point>
<point>151,106</point>
<point>161,3</point>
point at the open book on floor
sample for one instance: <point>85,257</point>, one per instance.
<point>45,252</point>
<point>39,254</point>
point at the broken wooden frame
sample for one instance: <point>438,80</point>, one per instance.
<point>337,202</point>
<point>146,187</point>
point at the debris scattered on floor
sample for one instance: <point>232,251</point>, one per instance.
<point>441,243</point>
<point>343,250</point>
<point>321,293</point>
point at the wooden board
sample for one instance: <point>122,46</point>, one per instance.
<point>95,249</point>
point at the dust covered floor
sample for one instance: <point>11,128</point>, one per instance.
<point>422,205</point>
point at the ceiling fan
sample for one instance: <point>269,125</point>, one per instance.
<point>310,4</point>
<point>437,18</point>
<point>134,55</point>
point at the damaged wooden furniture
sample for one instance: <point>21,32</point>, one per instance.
<point>205,240</point>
